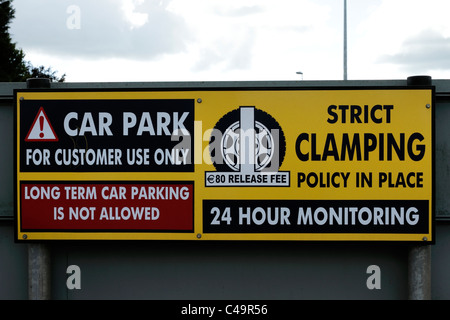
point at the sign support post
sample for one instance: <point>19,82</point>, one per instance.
<point>419,272</point>
<point>38,271</point>
<point>419,256</point>
<point>38,253</point>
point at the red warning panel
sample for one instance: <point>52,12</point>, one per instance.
<point>107,206</point>
<point>41,129</point>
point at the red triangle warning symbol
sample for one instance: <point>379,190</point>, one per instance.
<point>41,129</point>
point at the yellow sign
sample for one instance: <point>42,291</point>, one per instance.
<point>270,164</point>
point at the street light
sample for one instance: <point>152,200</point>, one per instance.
<point>345,39</point>
<point>300,73</point>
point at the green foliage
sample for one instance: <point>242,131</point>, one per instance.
<point>42,72</point>
<point>13,66</point>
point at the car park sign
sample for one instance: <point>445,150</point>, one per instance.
<point>300,164</point>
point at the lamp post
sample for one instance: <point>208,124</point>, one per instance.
<point>345,39</point>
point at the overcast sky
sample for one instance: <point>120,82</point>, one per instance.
<point>214,40</point>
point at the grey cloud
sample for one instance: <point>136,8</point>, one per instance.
<point>207,58</point>
<point>228,54</point>
<point>104,31</point>
<point>427,51</point>
<point>240,11</point>
<point>242,55</point>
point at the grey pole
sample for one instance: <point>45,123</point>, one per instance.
<point>38,253</point>
<point>419,257</point>
<point>419,272</point>
<point>38,272</point>
<point>345,39</point>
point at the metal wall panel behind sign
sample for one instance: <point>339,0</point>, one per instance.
<point>259,164</point>
<point>6,161</point>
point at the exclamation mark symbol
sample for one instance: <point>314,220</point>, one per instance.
<point>41,126</point>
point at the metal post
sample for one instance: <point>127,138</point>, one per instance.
<point>38,253</point>
<point>345,39</point>
<point>419,257</point>
<point>38,272</point>
<point>419,272</point>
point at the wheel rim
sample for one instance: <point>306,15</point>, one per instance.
<point>230,146</point>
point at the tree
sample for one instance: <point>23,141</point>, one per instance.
<point>13,66</point>
<point>41,72</point>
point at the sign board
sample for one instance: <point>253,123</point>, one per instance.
<point>320,164</point>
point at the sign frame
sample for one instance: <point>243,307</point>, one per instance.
<point>198,95</point>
